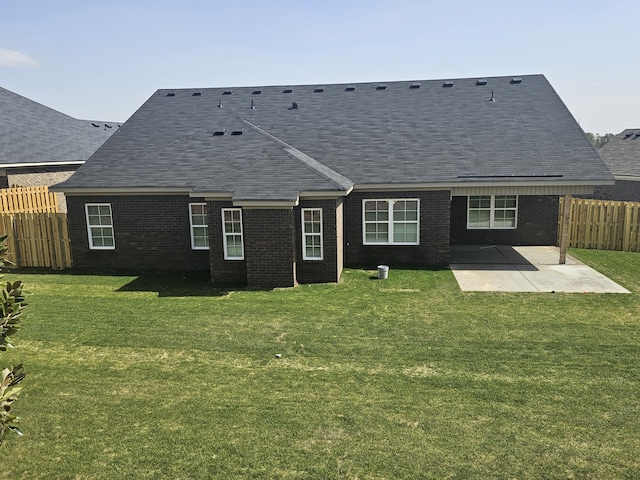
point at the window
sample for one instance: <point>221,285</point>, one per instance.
<point>492,211</point>
<point>391,222</point>
<point>312,234</point>
<point>232,234</point>
<point>199,226</point>
<point>100,226</point>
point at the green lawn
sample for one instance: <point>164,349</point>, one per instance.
<point>165,377</point>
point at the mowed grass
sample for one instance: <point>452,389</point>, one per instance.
<point>167,377</point>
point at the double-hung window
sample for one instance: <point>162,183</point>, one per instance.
<point>391,222</point>
<point>232,234</point>
<point>492,211</point>
<point>312,234</point>
<point>199,226</point>
<point>100,226</point>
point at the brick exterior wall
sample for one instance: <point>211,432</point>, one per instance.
<point>537,224</point>
<point>328,269</point>
<point>222,271</point>
<point>269,246</point>
<point>152,233</point>
<point>434,232</point>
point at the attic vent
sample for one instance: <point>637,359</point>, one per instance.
<point>171,94</point>
<point>238,132</point>
<point>288,90</point>
<point>637,134</point>
<point>257,91</point>
<point>196,94</point>
<point>515,80</point>
<point>294,106</point>
<point>350,88</point>
<point>481,82</point>
<point>628,134</point>
<point>413,86</point>
<point>227,92</point>
<point>219,133</point>
<point>447,84</point>
<point>97,126</point>
<point>381,87</point>
<point>319,90</point>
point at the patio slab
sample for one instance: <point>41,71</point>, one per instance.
<point>501,268</point>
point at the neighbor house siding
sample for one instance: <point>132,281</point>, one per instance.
<point>329,268</point>
<point>152,233</point>
<point>622,191</point>
<point>269,241</point>
<point>433,247</point>
<point>537,224</point>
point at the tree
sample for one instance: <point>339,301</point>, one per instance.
<point>12,305</point>
<point>599,141</point>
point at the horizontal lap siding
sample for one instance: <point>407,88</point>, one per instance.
<point>537,224</point>
<point>152,233</point>
<point>434,232</point>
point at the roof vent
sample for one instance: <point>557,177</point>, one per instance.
<point>481,82</point>
<point>294,106</point>
<point>447,84</point>
<point>95,125</point>
<point>288,90</point>
<point>381,87</point>
<point>238,132</point>
<point>257,91</point>
<point>227,92</point>
<point>637,134</point>
<point>350,88</point>
<point>319,90</point>
<point>220,104</point>
<point>219,133</point>
<point>171,94</point>
<point>196,94</point>
<point>253,107</point>
<point>516,80</point>
<point>413,86</point>
<point>628,134</point>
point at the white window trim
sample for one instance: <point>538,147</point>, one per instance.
<point>192,226</point>
<point>90,236</point>
<point>390,202</point>
<point>225,234</point>
<point>492,210</point>
<point>305,234</point>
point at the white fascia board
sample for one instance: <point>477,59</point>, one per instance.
<point>41,164</point>
<point>628,178</point>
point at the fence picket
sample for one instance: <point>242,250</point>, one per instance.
<point>604,225</point>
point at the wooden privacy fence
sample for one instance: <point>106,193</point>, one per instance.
<point>37,239</point>
<point>603,225</point>
<point>28,200</point>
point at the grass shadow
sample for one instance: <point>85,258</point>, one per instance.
<point>180,284</point>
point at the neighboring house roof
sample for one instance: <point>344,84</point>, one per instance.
<point>306,140</point>
<point>32,134</point>
<point>622,154</point>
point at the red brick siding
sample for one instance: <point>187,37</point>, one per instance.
<point>434,232</point>
<point>537,224</point>
<point>151,232</point>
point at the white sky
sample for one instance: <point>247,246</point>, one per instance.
<point>102,60</point>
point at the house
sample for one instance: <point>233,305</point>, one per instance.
<point>273,186</point>
<point>41,146</point>
<point>622,155</point>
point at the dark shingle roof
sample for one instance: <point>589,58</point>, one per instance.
<point>31,133</point>
<point>622,153</point>
<point>426,132</point>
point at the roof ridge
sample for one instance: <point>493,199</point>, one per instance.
<point>339,180</point>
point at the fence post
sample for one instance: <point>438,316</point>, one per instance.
<point>564,229</point>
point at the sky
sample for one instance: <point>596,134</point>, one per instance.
<point>101,60</point>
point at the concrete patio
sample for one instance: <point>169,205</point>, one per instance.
<point>503,268</point>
